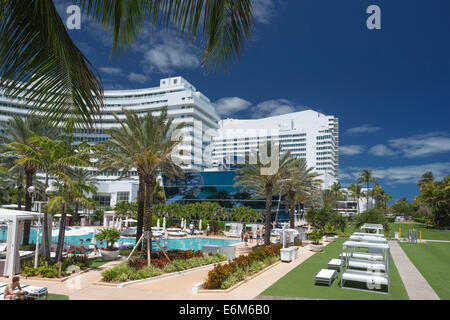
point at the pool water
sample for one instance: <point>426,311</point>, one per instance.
<point>170,244</point>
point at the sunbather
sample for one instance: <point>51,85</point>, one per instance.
<point>9,293</point>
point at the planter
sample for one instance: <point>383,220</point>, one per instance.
<point>109,255</point>
<point>316,247</point>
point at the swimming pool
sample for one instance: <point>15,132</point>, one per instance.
<point>171,244</point>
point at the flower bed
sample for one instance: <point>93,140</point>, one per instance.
<point>136,268</point>
<point>226,275</point>
<point>46,270</point>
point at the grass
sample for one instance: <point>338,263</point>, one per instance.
<point>430,234</point>
<point>432,259</point>
<point>299,282</point>
<point>54,296</point>
<point>96,262</point>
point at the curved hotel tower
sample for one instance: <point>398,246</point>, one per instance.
<point>185,104</point>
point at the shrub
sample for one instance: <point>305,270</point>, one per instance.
<point>224,276</point>
<point>316,235</point>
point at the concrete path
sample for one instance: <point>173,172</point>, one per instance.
<point>178,287</point>
<point>415,284</point>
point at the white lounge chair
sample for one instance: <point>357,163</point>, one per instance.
<point>367,265</point>
<point>31,292</point>
<point>370,278</point>
<point>362,255</point>
<point>325,276</point>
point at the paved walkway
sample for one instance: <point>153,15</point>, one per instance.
<point>415,284</point>
<point>172,288</point>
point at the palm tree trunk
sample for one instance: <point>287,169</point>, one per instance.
<point>292,209</point>
<point>19,195</point>
<point>140,212</point>
<point>28,199</point>
<point>62,231</point>
<point>148,214</point>
<point>76,218</point>
<point>268,214</point>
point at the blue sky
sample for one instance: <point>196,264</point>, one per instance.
<point>389,87</point>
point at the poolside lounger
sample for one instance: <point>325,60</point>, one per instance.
<point>369,278</point>
<point>335,264</point>
<point>325,276</point>
<point>367,265</point>
<point>31,292</point>
<point>362,255</point>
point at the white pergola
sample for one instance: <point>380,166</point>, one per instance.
<point>369,226</point>
<point>15,220</point>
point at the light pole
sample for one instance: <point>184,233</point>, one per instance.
<point>32,190</point>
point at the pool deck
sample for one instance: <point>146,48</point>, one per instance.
<point>176,287</point>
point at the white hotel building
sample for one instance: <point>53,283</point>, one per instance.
<point>207,139</point>
<point>307,134</point>
<point>185,104</point>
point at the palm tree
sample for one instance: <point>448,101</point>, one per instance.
<point>53,158</point>
<point>82,177</point>
<point>366,178</point>
<point>145,144</point>
<point>68,193</point>
<point>261,182</point>
<point>356,193</point>
<point>298,179</point>
<point>20,130</point>
<point>39,60</point>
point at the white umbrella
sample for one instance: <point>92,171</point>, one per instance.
<point>59,215</point>
<point>200,225</point>
<point>164,224</point>
<point>157,224</point>
<point>129,220</point>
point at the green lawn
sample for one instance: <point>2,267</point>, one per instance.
<point>96,262</point>
<point>300,281</point>
<point>54,296</point>
<point>432,259</point>
<point>431,234</point>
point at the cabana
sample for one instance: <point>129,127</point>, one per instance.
<point>234,231</point>
<point>368,227</point>
<point>363,268</point>
<point>15,221</point>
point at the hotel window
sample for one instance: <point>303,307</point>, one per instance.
<point>123,196</point>
<point>102,201</point>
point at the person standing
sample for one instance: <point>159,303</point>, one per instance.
<point>246,239</point>
<point>207,229</point>
<point>191,227</point>
<point>258,236</point>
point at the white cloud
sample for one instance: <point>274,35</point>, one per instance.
<point>422,145</point>
<point>399,174</point>
<point>230,105</point>
<point>366,128</point>
<point>138,77</point>
<point>351,150</point>
<point>111,70</point>
<point>166,54</point>
<point>263,10</point>
<point>269,108</point>
<point>381,150</point>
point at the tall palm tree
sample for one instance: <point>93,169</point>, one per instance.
<point>298,179</point>
<point>262,183</point>
<point>143,143</point>
<point>68,193</point>
<point>39,61</point>
<point>355,190</point>
<point>21,130</point>
<point>366,178</point>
